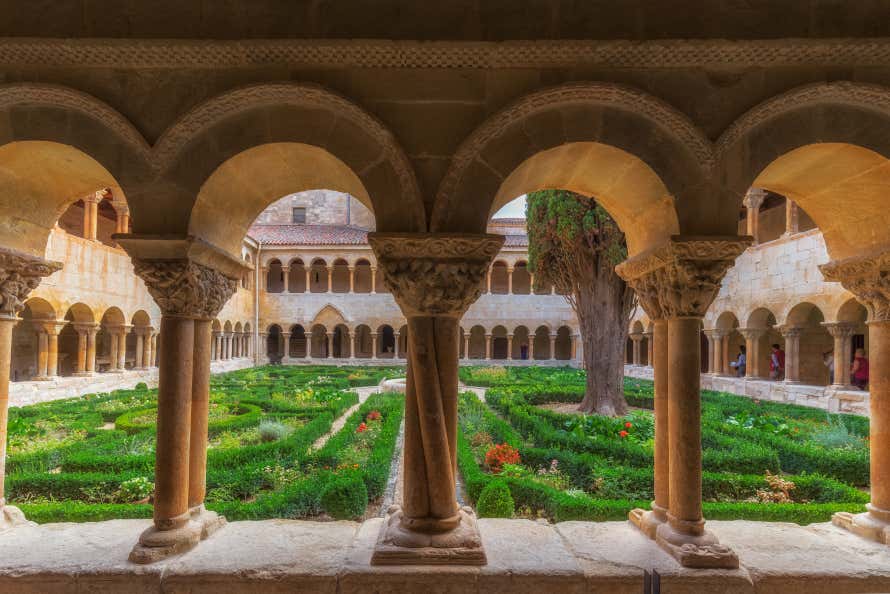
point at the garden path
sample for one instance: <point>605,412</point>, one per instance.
<point>363,394</point>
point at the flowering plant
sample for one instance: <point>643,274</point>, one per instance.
<point>362,427</point>
<point>501,454</point>
<point>374,415</point>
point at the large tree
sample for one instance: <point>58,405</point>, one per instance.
<point>574,245</point>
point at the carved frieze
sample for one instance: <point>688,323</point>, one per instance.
<point>186,288</point>
<point>434,274</point>
<point>19,275</point>
<point>868,278</point>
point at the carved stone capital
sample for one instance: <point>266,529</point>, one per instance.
<point>19,275</point>
<point>682,277</point>
<point>185,288</point>
<point>790,331</point>
<point>434,273</point>
<point>867,277</point>
<point>840,329</point>
<point>752,334</point>
<point>754,198</point>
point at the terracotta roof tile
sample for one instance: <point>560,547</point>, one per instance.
<point>309,235</point>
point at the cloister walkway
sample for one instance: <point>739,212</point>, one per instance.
<point>524,556</point>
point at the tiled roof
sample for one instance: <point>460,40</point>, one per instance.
<point>507,221</point>
<point>309,235</point>
<point>334,235</point>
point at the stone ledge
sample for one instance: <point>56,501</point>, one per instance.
<point>524,556</point>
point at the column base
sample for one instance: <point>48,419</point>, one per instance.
<point>12,517</point>
<point>209,521</point>
<point>83,374</point>
<point>648,521</point>
<point>867,525</point>
<point>397,545</point>
<point>701,551</point>
<point>41,378</point>
<point>156,545</point>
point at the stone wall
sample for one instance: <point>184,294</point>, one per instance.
<point>323,207</point>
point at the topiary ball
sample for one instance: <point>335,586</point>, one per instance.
<point>345,498</point>
<point>495,501</point>
<point>141,386</point>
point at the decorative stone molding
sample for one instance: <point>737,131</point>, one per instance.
<point>790,331</point>
<point>752,334</point>
<point>19,275</point>
<point>840,329</point>
<point>327,53</point>
<point>682,277</point>
<point>867,277</point>
<point>185,288</point>
<point>754,198</point>
<point>436,273</point>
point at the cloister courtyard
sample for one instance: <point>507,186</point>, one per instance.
<point>270,319</point>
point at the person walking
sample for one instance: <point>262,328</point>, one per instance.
<point>859,370</point>
<point>777,363</point>
<point>740,363</point>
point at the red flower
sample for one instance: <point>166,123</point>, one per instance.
<point>628,425</point>
<point>623,434</point>
<point>361,428</point>
<point>374,415</point>
<point>501,454</point>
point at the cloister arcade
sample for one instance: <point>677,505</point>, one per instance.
<point>196,174</point>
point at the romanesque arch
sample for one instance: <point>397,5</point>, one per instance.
<point>241,150</point>
<point>825,147</point>
<point>576,137</point>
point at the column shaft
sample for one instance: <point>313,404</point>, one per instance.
<point>6,326</point>
<point>42,354</point>
<point>81,352</point>
<point>662,429</point>
<point>879,404</point>
<point>91,350</point>
<point>52,357</point>
<point>197,463</point>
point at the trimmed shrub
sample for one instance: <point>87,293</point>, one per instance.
<point>495,501</point>
<point>273,431</point>
<point>345,498</point>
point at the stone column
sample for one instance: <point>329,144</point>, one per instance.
<point>724,363</point>
<point>466,345</point>
<point>868,278</point>
<point>285,347</point>
<point>679,282</point>
<point>80,368</point>
<point>792,353</point>
<point>752,350</point>
<point>354,345</point>
<point>19,275</point>
<point>842,333</point>
<point>52,353</point>
<point>434,278</point>
<point>140,347</point>
<point>636,339</point>
<point>285,272</point>
<point>122,348</point>
<point>122,224</point>
<point>91,349</point>
<point>91,215</point>
<point>509,347</point>
<point>146,349</point>
<point>553,348</point>
<point>190,295</point>
<point>488,281</point>
<point>487,347</point>
<point>329,342</point>
<point>509,280</point>
<point>42,353</point>
<point>373,345</point>
<point>753,199</point>
<point>351,279</point>
<point>792,217</point>
<point>373,279</point>
<point>398,337</point>
<point>330,270</point>
<point>715,357</point>
<point>154,348</point>
<point>308,278</point>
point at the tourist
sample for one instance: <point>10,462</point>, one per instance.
<point>859,371</point>
<point>828,361</point>
<point>777,363</point>
<point>740,363</point>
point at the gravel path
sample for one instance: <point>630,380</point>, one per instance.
<point>363,394</point>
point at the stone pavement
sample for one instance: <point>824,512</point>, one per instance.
<point>571,557</point>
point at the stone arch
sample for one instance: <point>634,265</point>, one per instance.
<point>499,277</point>
<point>852,311</point>
<point>318,276</point>
<point>521,278</point>
<point>318,342</point>
<point>521,345</point>
<point>477,342</point>
<point>340,276</point>
<point>241,149</point>
<point>386,342</point>
<point>81,313</point>
<point>362,276</point>
<point>296,276</point>
<point>274,348</point>
<point>815,341</point>
<point>541,341</point>
<point>62,145</point>
<point>499,342</point>
<point>274,276</point>
<point>576,137</point>
<point>227,327</point>
<point>329,316</point>
<point>403,341</point>
<point>364,345</point>
<point>563,344</point>
<point>827,148</point>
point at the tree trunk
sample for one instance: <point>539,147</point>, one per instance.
<point>603,309</point>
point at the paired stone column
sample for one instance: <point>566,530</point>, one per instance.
<point>308,278</point>
<point>122,225</point>
<point>753,199</point>
<point>19,275</point>
<point>509,346</point>
<point>466,345</point>
<point>285,273</point>
<point>792,353</point>
<point>636,340</point>
<point>842,333</point>
<point>190,293</point>
<point>48,348</point>
<point>398,337</point>
<point>487,347</point>
<point>676,284</point>
<point>553,348</point>
<point>329,345</point>
<point>434,278</point>
<point>650,347</point>
<point>752,338</point>
<point>91,215</point>
<point>351,279</point>
<point>147,347</point>
<point>509,280</point>
<point>792,217</point>
<point>714,342</point>
<point>374,345</point>
<point>869,279</point>
<point>285,347</point>
<point>330,270</point>
<point>373,279</point>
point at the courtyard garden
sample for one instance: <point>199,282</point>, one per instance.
<point>524,451</point>
<point>92,458</point>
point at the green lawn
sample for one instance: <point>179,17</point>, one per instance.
<point>92,458</point>
<point>762,461</point>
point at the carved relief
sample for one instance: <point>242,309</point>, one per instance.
<point>185,288</point>
<point>19,275</point>
<point>866,277</point>
<point>434,274</point>
<point>681,278</point>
